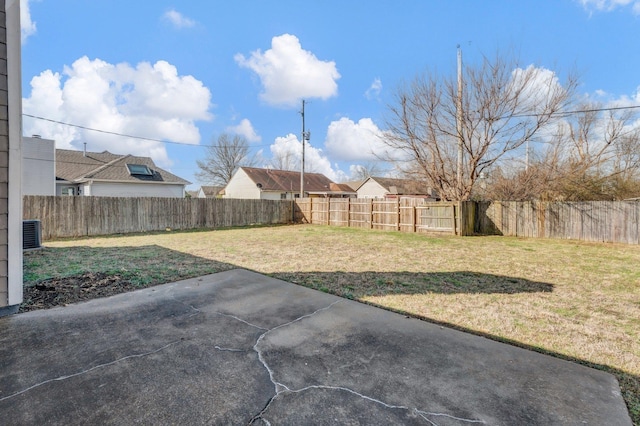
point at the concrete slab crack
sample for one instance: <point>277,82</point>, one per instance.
<point>279,387</point>
<point>351,391</point>
<point>96,367</point>
<point>229,349</point>
<point>282,389</point>
<point>195,310</point>
<point>242,321</point>
<point>423,414</point>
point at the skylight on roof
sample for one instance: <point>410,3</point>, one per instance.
<point>139,169</point>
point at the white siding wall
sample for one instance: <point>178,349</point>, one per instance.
<point>371,189</point>
<point>241,186</point>
<point>292,195</point>
<point>110,189</point>
<point>38,166</point>
<point>271,195</point>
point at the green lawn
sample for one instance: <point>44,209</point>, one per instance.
<point>579,301</point>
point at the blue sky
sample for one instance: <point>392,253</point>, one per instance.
<point>185,72</point>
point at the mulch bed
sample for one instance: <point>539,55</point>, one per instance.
<point>63,291</point>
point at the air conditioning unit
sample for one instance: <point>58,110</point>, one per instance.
<point>31,235</point>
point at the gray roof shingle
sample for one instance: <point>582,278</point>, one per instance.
<point>287,181</point>
<point>403,186</point>
<point>75,166</point>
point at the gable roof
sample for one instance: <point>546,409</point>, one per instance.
<point>354,185</point>
<point>75,166</point>
<point>211,191</point>
<point>286,180</point>
<point>341,187</point>
<point>402,186</point>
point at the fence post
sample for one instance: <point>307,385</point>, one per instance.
<point>328,211</point>
<point>371,214</point>
<point>457,229</point>
<point>398,216</point>
<point>414,218</point>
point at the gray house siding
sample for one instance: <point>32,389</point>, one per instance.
<point>10,158</point>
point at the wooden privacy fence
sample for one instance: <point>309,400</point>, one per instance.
<point>405,215</point>
<point>87,216</point>
<point>602,221</point>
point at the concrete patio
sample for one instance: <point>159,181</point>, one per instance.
<point>241,348</point>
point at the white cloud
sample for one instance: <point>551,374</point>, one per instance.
<point>609,5</point>
<point>27,26</point>
<point>178,20</point>
<point>538,86</point>
<point>289,148</point>
<point>245,128</point>
<point>289,74</point>
<point>349,141</point>
<point>150,101</point>
<point>373,92</point>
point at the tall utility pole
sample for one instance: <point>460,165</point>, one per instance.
<point>459,123</point>
<point>305,137</point>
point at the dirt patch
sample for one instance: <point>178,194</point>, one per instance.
<point>63,291</point>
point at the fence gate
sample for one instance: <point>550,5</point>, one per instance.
<point>405,215</point>
<point>436,217</point>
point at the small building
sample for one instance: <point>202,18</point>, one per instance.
<point>210,192</point>
<point>392,188</point>
<point>104,174</point>
<point>268,184</point>
<point>335,190</point>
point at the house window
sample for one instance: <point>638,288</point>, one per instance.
<point>283,196</point>
<point>139,169</point>
<point>68,190</point>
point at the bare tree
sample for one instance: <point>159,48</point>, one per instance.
<point>223,158</point>
<point>365,170</point>
<point>594,154</point>
<point>285,160</point>
<point>503,108</point>
<point>289,159</point>
<point>600,154</point>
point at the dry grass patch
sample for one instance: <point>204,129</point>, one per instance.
<point>576,300</point>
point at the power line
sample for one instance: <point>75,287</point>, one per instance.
<point>578,111</point>
<point>104,131</point>
<point>124,135</point>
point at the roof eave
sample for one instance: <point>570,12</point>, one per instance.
<point>84,180</point>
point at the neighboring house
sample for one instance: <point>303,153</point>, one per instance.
<point>354,185</point>
<point>38,166</point>
<point>268,184</point>
<point>104,174</point>
<point>379,187</point>
<point>209,192</point>
<point>335,190</point>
